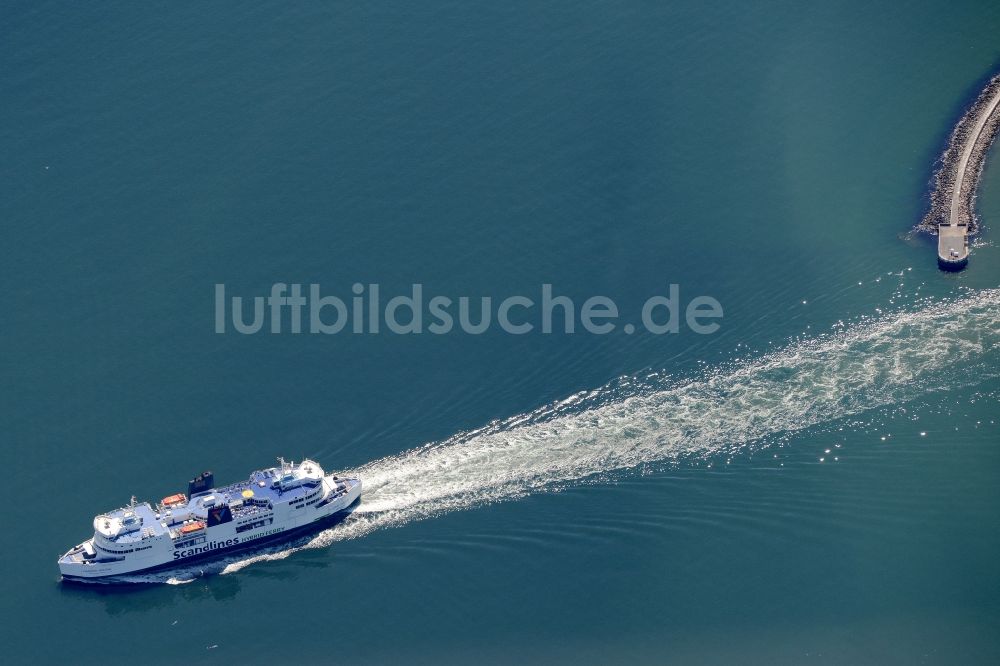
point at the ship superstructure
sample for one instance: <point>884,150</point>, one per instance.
<point>272,504</point>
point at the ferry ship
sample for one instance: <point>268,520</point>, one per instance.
<point>272,504</point>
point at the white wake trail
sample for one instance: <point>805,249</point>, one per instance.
<point>870,365</point>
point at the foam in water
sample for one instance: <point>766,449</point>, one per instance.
<point>867,366</point>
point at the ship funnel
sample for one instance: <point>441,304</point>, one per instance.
<point>200,484</point>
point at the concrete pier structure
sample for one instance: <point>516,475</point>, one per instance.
<point>952,214</point>
<point>953,247</point>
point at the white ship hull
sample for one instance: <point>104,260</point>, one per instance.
<point>157,543</point>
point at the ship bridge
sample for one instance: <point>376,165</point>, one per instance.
<point>128,524</point>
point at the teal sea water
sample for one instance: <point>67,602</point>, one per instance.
<point>814,483</point>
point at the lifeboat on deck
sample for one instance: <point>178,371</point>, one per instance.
<point>193,527</point>
<point>174,500</point>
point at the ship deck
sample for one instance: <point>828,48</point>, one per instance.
<point>259,483</point>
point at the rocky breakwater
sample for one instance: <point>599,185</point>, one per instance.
<point>957,178</point>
